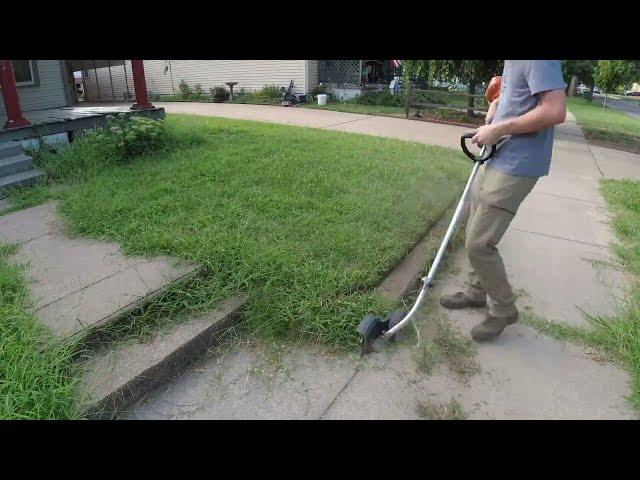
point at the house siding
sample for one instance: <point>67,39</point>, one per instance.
<point>312,75</point>
<point>250,75</point>
<point>50,93</point>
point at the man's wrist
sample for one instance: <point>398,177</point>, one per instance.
<point>503,128</point>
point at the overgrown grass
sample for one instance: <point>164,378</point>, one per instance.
<point>34,384</point>
<point>606,127</point>
<point>307,222</point>
<point>618,337</point>
<point>452,410</point>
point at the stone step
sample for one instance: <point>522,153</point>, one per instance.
<point>21,179</point>
<point>15,164</point>
<point>9,149</point>
<point>122,375</point>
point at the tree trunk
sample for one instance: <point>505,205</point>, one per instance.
<point>471,105</point>
<point>571,89</point>
<point>604,104</point>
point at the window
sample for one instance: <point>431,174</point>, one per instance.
<point>24,72</point>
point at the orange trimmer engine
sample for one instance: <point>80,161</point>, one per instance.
<point>493,90</point>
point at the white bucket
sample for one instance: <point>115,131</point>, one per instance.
<point>322,99</point>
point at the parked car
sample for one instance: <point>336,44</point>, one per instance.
<point>632,93</point>
<point>596,90</point>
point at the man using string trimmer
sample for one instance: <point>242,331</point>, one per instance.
<point>530,102</point>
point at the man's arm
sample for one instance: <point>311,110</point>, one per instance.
<point>551,111</point>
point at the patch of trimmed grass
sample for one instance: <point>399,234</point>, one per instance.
<point>34,384</point>
<point>614,338</point>
<point>307,222</point>
<point>606,127</point>
<point>448,344</point>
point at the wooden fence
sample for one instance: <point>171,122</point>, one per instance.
<point>426,99</point>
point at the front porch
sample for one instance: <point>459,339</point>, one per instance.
<point>69,119</point>
<point>347,79</point>
<point>21,125</point>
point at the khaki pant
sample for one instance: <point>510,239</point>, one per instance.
<point>494,201</point>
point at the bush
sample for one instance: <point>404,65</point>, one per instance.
<point>197,91</point>
<point>269,92</point>
<point>384,98</point>
<point>185,90</point>
<point>320,89</point>
<point>219,94</point>
<point>135,135</point>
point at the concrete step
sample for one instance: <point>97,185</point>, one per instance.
<point>122,375</point>
<point>9,149</point>
<point>15,164</point>
<point>21,179</point>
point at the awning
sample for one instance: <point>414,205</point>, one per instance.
<point>78,65</point>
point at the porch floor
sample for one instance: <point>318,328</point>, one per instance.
<point>68,119</point>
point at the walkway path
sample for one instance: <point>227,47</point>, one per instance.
<point>557,254</point>
<point>78,283</point>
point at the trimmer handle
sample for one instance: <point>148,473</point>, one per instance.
<point>485,153</point>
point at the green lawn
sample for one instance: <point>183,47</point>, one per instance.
<point>606,127</point>
<point>356,108</point>
<point>306,221</point>
<point>427,113</point>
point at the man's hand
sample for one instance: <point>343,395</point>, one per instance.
<point>491,113</point>
<point>487,135</point>
<point>551,111</point>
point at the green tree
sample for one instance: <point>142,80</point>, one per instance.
<point>471,72</point>
<point>610,74</point>
<point>583,69</point>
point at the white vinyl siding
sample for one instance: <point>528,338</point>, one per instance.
<point>250,75</point>
<point>312,74</point>
<point>48,93</point>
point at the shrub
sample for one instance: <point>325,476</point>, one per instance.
<point>185,90</point>
<point>219,94</point>
<point>135,135</point>
<point>384,98</point>
<point>197,91</point>
<point>270,92</point>
<point>320,89</point>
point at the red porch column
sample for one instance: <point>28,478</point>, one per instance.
<point>10,94</point>
<point>140,85</point>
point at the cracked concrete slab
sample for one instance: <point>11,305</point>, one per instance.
<point>77,283</point>
<point>240,384</point>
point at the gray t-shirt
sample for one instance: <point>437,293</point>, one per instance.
<point>527,155</point>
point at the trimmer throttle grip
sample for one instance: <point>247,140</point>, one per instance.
<point>483,157</point>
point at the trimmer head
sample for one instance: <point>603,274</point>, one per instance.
<point>371,329</point>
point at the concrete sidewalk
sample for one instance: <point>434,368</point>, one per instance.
<point>557,254</point>
<point>76,284</point>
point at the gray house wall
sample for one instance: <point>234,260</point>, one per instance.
<point>48,92</point>
<point>250,75</point>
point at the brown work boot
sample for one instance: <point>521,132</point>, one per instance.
<point>461,300</point>
<point>492,327</point>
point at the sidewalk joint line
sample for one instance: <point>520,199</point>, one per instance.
<point>568,198</point>
<point>348,121</point>
<point>561,238</point>
<point>326,410</point>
